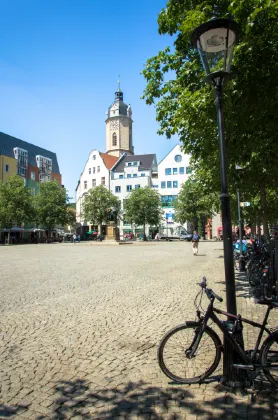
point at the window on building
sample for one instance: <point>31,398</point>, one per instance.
<point>155,186</point>
<point>85,185</point>
<point>137,186</point>
<point>94,182</point>
<point>182,170</point>
<point>129,164</point>
<point>33,175</point>
<point>94,170</point>
<point>129,175</point>
<point>188,170</point>
<point>114,139</point>
<point>135,163</point>
<point>117,189</point>
<point>163,184</point>
<point>22,172</point>
<point>121,176</point>
<point>7,168</point>
<point>90,171</point>
<point>143,174</point>
<point>168,171</point>
<point>175,171</point>
<point>103,180</point>
<point>169,184</point>
<point>175,184</point>
<point>168,200</point>
<point>98,168</point>
<point>94,157</point>
<point>178,158</point>
<point>134,175</point>
<point>129,188</point>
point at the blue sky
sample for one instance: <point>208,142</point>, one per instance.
<point>59,67</point>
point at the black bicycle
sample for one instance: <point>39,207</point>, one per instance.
<point>191,352</point>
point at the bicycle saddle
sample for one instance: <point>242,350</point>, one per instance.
<point>267,302</point>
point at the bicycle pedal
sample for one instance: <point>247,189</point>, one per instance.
<point>244,367</point>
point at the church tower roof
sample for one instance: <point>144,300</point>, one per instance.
<point>118,107</point>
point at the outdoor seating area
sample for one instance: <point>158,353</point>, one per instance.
<point>20,236</point>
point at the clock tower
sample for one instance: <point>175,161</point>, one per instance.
<point>119,127</point>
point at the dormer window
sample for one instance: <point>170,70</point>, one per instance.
<point>135,163</point>
<point>114,139</point>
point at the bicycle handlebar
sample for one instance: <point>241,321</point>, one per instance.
<point>209,292</point>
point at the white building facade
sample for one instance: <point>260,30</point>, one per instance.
<point>96,172</point>
<point>128,174</point>
<point>173,171</point>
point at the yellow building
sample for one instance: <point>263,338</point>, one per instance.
<point>8,167</point>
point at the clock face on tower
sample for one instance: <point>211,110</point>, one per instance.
<point>114,125</point>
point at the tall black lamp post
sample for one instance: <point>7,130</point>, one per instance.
<point>215,41</point>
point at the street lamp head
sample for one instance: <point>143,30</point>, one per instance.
<point>215,41</point>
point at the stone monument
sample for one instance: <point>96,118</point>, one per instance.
<point>112,232</point>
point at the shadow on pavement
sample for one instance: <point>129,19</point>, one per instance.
<point>142,401</point>
<point>11,411</point>
<point>244,289</point>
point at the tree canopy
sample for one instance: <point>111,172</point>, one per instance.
<point>98,205</point>
<point>185,104</point>
<point>194,204</point>
<point>143,207</point>
<point>16,203</point>
<point>51,205</point>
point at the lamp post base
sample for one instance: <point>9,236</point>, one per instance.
<point>241,264</point>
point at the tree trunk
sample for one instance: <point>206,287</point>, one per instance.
<point>264,211</point>
<point>259,228</point>
<point>145,237</point>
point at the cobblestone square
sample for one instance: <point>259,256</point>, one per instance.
<point>80,325</point>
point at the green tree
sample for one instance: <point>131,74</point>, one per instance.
<point>195,204</point>
<point>51,205</point>
<point>185,104</point>
<point>16,203</point>
<point>143,207</point>
<point>98,205</point>
<point>71,216</point>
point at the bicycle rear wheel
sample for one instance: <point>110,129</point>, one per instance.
<point>269,358</point>
<point>173,349</point>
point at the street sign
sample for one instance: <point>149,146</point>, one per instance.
<point>245,204</point>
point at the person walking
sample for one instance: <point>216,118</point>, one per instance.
<point>195,242</point>
<point>74,238</point>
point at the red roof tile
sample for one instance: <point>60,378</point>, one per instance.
<point>108,160</point>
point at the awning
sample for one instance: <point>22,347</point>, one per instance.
<point>91,231</point>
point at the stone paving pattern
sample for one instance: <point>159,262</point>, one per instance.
<point>80,325</point>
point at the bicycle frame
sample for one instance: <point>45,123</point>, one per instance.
<point>210,314</point>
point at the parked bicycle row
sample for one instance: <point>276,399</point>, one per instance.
<point>259,262</point>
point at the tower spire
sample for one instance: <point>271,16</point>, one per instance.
<point>119,96</point>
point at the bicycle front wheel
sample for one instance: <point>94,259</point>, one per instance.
<point>175,346</point>
<point>269,359</point>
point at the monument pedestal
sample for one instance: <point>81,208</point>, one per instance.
<point>112,232</point>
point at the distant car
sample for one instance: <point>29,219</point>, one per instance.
<point>185,236</point>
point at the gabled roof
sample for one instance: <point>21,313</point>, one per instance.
<point>169,153</point>
<point>8,143</point>
<point>108,160</point>
<point>146,162</point>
